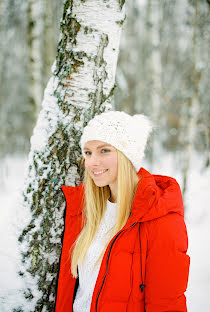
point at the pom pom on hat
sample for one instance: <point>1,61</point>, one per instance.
<point>129,134</point>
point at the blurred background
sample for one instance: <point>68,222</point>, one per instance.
<point>163,72</point>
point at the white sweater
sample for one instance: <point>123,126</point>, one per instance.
<point>87,273</point>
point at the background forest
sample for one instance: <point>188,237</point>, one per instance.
<point>162,71</point>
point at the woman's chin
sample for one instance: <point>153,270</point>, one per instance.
<point>100,183</point>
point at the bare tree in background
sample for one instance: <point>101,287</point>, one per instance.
<point>193,108</point>
<point>42,37</point>
<point>28,44</point>
<point>81,86</point>
<point>35,11</point>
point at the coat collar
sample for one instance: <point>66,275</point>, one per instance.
<point>155,196</point>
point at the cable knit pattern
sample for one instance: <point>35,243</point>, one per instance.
<point>127,133</point>
<point>87,273</point>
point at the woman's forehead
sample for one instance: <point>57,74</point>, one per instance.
<point>96,144</point>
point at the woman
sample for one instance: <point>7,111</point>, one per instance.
<point>125,239</point>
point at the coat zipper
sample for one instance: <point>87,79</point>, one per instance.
<point>142,285</point>
<point>107,262</point>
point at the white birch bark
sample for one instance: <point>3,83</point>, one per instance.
<point>81,86</point>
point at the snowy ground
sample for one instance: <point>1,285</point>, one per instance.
<point>197,217</point>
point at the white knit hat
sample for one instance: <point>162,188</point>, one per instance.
<point>127,133</point>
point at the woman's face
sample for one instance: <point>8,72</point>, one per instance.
<point>101,163</point>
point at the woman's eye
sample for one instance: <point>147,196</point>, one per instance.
<point>106,150</point>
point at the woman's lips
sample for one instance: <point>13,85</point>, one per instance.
<point>98,173</point>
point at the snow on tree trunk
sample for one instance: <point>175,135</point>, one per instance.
<point>81,86</point>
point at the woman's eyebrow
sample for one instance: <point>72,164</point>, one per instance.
<point>98,146</point>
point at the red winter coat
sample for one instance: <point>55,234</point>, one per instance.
<point>145,266</point>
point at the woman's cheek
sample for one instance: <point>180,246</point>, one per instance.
<point>87,165</point>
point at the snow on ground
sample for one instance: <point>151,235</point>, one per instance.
<point>11,180</point>
<point>197,217</point>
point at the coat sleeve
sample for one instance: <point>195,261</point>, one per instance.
<point>167,265</point>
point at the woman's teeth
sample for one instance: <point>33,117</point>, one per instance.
<point>99,172</point>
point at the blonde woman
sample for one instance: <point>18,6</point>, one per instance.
<point>125,239</point>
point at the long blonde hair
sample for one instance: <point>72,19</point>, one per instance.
<point>95,202</point>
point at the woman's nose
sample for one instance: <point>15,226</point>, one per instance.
<point>94,160</point>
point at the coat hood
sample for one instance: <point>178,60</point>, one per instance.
<point>156,196</point>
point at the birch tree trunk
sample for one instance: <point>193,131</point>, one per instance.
<point>81,86</point>
<point>154,67</point>
<point>156,61</point>
<point>2,70</point>
<point>193,103</point>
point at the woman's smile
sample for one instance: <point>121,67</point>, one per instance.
<point>98,173</point>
